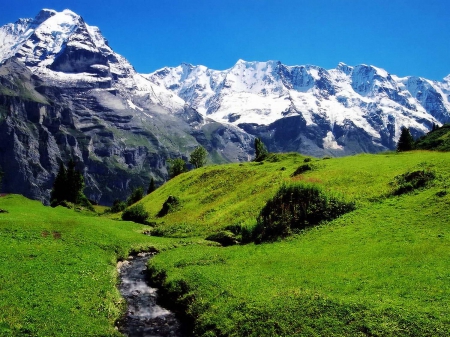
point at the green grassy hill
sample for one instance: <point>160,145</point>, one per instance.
<point>381,270</point>
<point>438,139</point>
<point>58,269</point>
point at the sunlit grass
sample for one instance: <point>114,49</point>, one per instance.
<point>58,269</point>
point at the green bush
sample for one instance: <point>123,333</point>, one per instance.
<point>410,181</point>
<point>135,213</point>
<point>118,206</point>
<point>225,238</point>
<point>301,169</point>
<point>296,207</point>
<point>136,195</point>
<point>169,206</point>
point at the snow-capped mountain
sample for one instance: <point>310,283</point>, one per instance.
<point>65,93</point>
<point>260,96</point>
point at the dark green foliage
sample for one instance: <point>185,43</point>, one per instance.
<point>176,167</point>
<point>406,141</point>
<point>260,150</point>
<point>151,186</point>
<point>136,213</point>
<point>170,205</point>
<point>438,139</point>
<point>75,182</point>
<point>301,169</point>
<point>296,207</point>
<point>198,157</point>
<point>307,160</point>
<point>118,206</point>
<point>58,193</point>
<point>136,195</point>
<point>1,177</point>
<point>68,186</point>
<point>410,181</point>
<point>225,238</point>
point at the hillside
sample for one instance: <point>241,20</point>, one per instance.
<point>437,140</point>
<point>380,270</point>
<point>66,93</point>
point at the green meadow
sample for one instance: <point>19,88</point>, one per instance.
<point>380,270</point>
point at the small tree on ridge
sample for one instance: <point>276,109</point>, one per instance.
<point>406,141</point>
<point>198,157</point>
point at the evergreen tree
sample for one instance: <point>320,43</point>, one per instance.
<point>198,157</point>
<point>68,186</point>
<point>75,183</point>
<point>260,150</point>
<point>151,186</point>
<point>406,141</point>
<point>59,190</point>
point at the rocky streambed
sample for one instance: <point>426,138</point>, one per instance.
<point>144,317</point>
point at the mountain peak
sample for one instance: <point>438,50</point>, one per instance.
<point>43,15</point>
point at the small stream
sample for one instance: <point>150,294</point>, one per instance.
<point>144,318</point>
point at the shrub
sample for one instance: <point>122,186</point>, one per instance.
<point>225,238</point>
<point>176,167</point>
<point>135,213</point>
<point>118,206</point>
<point>136,195</point>
<point>169,206</point>
<point>296,207</point>
<point>410,181</point>
<point>301,169</point>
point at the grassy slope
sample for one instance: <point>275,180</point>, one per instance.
<point>438,140</point>
<point>58,269</point>
<point>381,270</point>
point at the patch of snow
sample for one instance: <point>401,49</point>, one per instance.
<point>329,142</point>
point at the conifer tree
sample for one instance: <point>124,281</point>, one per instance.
<point>151,186</point>
<point>260,150</point>
<point>406,141</point>
<point>68,185</point>
<point>75,182</point>
<point>59,189</point>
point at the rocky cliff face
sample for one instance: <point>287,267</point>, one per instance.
<point>64,93</point>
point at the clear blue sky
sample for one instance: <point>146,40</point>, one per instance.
<point>405,37</point>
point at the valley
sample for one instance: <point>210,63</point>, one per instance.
<point>378,270</point>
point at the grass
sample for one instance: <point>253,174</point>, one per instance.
<point>381,270</point>
<point>58,269</point>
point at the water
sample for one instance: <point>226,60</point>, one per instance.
<point>144,318</point>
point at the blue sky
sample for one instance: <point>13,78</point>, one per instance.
<point>405,37</point>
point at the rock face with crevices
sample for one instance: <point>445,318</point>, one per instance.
<point>64,93</point>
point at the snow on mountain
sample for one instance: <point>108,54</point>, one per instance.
<point>264,92</point>
<point>363,101</point>
<point>61,47</point>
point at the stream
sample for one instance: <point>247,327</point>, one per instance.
<point>144,318</point>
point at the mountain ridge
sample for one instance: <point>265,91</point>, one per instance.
<point>65,93</point>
